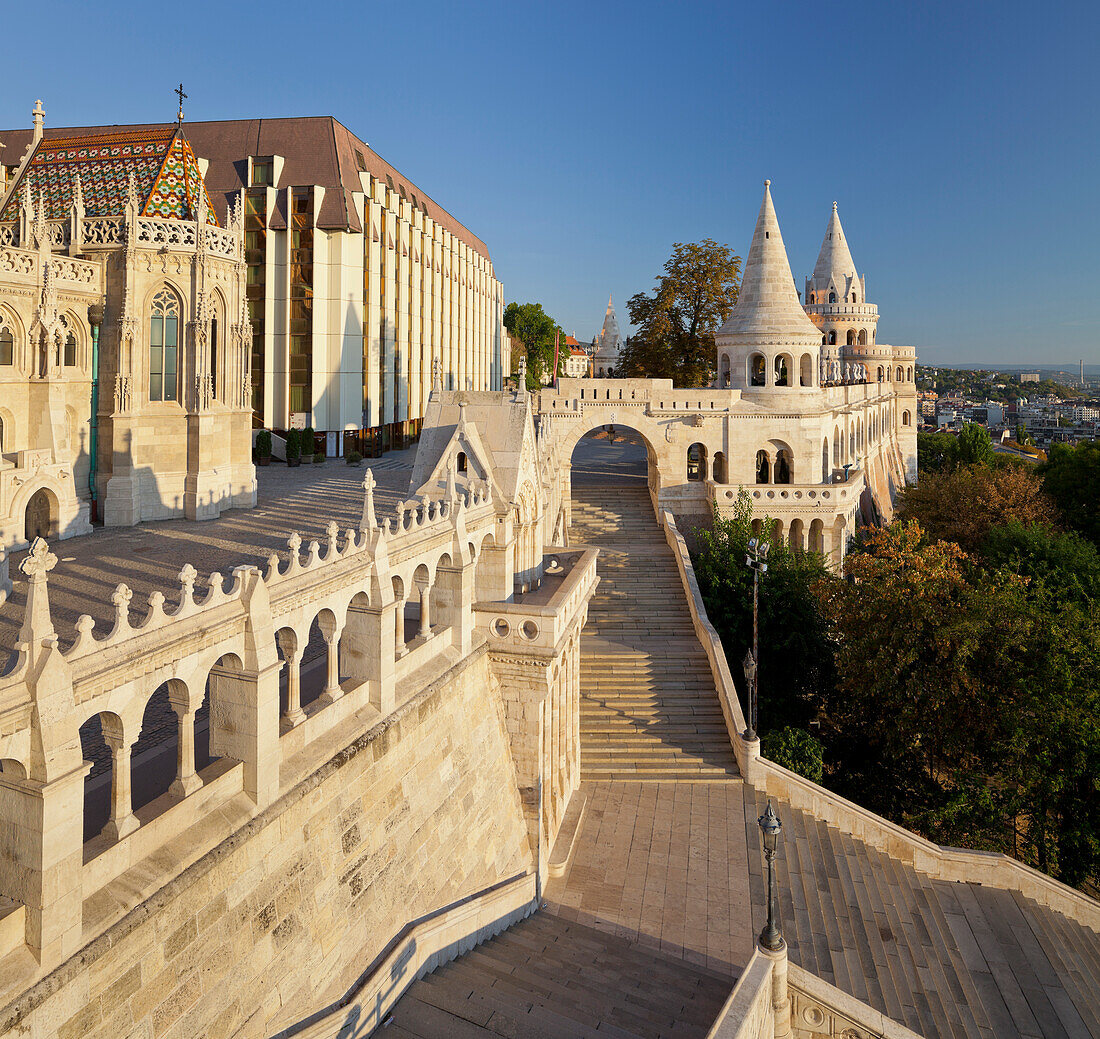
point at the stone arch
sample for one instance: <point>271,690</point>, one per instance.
<point>813,298</point>
<point>154,755</point>
<point>461,462</point>
<point>783,467</point>
<point>719,470</point>
<point>825,460</point>
<point>905,419</point>
<point>12,340</point>
<point>837,440</point>
<point>216,729</point>
<point>7,430</point>
<point>880,373</point>
<point>697,462</point>
<point>817,537</point>
<point>763,466</point>
<point>862,340</point>
<point>832,337</point>
<point>783,366</point>
<point>851,341</point>
<point>103,743</point>
<point>909,374</point>
<point>898,374</point>
<point>796,538</point>
<point>806,370</point>
<point>757,374</point>
<point>41,516</point>
<point>724,377</point>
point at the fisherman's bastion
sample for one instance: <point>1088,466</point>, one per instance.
<point>442,744</point>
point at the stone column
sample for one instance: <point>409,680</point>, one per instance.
<point>332,690</point>
<point>186,781</point>
<point>425,604</point>
<point>399,628</point>
<point>294,713</point>
<point>244,725</point>
<point>122,820</point>
<point>781,1001</point>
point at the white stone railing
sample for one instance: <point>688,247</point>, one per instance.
<point>17,261</point>
<point>171,233</point>
<point>102,231</point>
<point>775,998</point>
<point>9,234</point>
<point>66,268</point>
<point>224,643</point>
<point>940,863</point>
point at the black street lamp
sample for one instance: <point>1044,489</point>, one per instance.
<point>770,828</point>
<point>757,562</point>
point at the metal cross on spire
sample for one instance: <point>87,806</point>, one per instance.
<point>179,91</point>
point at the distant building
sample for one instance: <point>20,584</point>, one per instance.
<point>607,344</point>
<point>575,361</point>
<point>1029,377</point>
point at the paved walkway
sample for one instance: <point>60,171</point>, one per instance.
<point>149,557</point>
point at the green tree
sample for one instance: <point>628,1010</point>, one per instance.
<point>1066,563</point>
<point>795,656</point>
<point>963,505</point>
<point>1071,476</point>
<point>677,321</point>
<point>974,446</point>
<point>536,329</point>
<point>795,749</point>
<point>936,452</point>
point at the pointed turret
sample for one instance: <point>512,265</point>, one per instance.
<point>835,269</point>
<point>767,302</point>
<point>608,343</point>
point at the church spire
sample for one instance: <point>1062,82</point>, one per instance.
<point>767,301</point>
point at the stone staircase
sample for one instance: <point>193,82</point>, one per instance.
<point>949,960</point>
<point>649,710</point>
<point>546,977</point>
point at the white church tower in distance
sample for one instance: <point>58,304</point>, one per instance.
<point>607,344</point>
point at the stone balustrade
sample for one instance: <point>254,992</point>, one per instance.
<point>235,643</point>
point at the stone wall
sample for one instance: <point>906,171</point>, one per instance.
<point>281,918</point>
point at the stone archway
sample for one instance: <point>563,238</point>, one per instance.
<point>41,515</point>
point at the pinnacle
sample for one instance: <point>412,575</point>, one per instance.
<point>768,302</point>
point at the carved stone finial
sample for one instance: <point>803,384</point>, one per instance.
<point>294,543</point>
<point>38,562</point>
<point>522,387</point>
<point>437,375</point>
<point>369,520</point>
<point>120,598</point>
<point>333,532</point>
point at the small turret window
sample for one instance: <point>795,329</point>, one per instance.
<point>832,297</point>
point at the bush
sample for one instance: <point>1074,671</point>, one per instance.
<point>318,457</point>
<point>307,440</point>
<point>353,457</point>
<point>263,443</point>
<point>293,444</point>
<point>795,749</point>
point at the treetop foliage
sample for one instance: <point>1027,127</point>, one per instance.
<point>536,329</point>
<point>677,321</point>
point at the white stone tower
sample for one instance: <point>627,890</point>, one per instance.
<point>768,346</point>
<point>608,343</point>
<point>836,301</point>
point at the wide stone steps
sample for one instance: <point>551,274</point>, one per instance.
<point>945,959</point>
<point>547,978</point>
<point>649,709</point>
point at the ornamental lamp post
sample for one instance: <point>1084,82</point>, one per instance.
<point>770,828</point>
<point>757,561</point>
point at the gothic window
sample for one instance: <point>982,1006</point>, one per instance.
<point>855,298</point>
<point>832,297</point>
<point>813,297</point>
<point>832,338</point>
<point>69,349</point>
<point>163,344</point>
<point>462,463</point>
<point>863,337</point>
<point>851,337</point>
<point>7,343</point>
<point>214,356</point>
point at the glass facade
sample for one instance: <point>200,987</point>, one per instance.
<point>301,301</point>
<point>255,255</point>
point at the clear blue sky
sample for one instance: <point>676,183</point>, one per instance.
<point>580,140</point>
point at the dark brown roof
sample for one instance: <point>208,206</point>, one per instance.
<point>317,149</point>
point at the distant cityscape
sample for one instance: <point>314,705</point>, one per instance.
<point>1038,406</point>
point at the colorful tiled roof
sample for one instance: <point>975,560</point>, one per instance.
<point>166,175</point>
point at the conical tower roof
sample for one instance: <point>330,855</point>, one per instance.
<point>768,303</point>
<point>834,262</point>
<point>610,323</point>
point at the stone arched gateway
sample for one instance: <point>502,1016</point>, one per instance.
<point>41,515</point>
